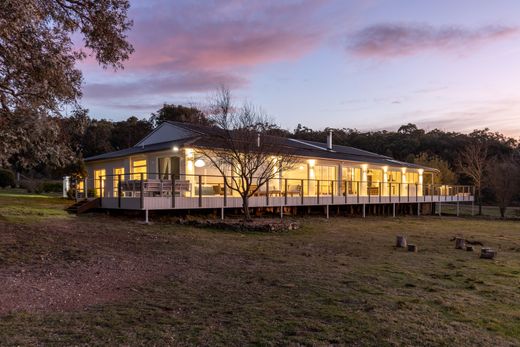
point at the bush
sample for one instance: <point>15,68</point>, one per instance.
<point>7,178</point>
<point>40,186</point>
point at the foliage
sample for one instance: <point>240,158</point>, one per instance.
<point>179,113</point>
<point>446,174</point>
<point>6,178</point>
<point>38,74</point>
<point>503,177</point>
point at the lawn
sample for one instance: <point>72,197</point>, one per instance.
<point>98,279</point>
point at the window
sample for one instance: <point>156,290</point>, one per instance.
<point>138,168</point>
<point>117,172</point>
<point>99,181</point>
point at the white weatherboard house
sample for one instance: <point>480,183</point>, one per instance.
<point>166,170</point>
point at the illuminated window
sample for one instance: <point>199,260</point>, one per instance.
<point>99,181</point>
<point>138,168</point>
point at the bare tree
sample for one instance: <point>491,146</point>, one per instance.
<point>471,162</point>
<point>244,154</point>
<point>503,179</point>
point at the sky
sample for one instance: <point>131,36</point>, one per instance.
<point>362,64</point>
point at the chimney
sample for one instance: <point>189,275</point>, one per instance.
<point>329,141</point>
<point>258,140</point>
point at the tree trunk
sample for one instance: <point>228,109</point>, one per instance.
<point>479,201</point>
<point>245,207</point>
<point>502,211</point>
<point>400,241</point>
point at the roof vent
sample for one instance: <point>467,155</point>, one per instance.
<point>329,140</point>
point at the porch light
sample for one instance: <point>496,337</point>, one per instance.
<point>312,162</point>
<point>301,167</point>
<point>199,163</point>
<point>175,148</point>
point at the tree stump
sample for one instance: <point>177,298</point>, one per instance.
<point>412,248</point>
<point>400,242</point>
<point>487,253</point>
<point>469,248</point>
<point>460,243</point>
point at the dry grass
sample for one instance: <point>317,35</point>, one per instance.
<point>338,282</point>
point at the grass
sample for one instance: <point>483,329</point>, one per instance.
<point>17,206</point>
<point>335,282</point>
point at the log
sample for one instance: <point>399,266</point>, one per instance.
<point>412,248</point>
<point>487,253</point>
<point>460,243</point>
<point>400,241</point>
<point>469,248</point>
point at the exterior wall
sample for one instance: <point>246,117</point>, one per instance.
<point>386,179</point>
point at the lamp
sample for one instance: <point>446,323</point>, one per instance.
<point>199,163</point>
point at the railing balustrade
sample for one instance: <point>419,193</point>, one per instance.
<point>274,192</point>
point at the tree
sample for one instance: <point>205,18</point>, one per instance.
<point>472,161</point>
<point>128,132</point>
<point>246,156</point>
<point>38,74</point>
<point>446,174</point>
<point>503,179</point>
<point>179,113</point>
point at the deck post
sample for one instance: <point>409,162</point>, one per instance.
<point>146,216</point>
<point>119,191</point>
<point>472,207</point>
<point>389,192</point>
<point>173,191</point>
<point>222,213</point>
<point>318,192</point>
<point>440,208</point>
<point>393,209</point>
<point>379,190</point>
<point>301,190</point>
<point>85,188</point>
<point>399,185</point>
<point>101,190</point>
<point>357,191</point>
<point>457,208</point>
<point>141,200</point>
<point>418,209</point>
<point>408,191</point>
<point>364,212</point>
<point>346,191</point>
<point>281,212</point>
<point>267,193</point>
<point>225,193</point>
<point>200,190</point>
<point>327,211</point>
<point>332,195</point>
<point>285,193</point>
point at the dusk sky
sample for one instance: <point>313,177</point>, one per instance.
<point>372,64</point>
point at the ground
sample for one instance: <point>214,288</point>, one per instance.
<point>98,279</point>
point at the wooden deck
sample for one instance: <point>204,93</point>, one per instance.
<point>217,202</point>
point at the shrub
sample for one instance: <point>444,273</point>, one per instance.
<point>7,178</point>
<point>51,187</point>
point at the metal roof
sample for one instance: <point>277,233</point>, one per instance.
<point>204,136</point>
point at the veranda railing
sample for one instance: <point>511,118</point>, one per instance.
<point>148,184</point>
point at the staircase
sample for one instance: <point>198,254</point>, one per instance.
<point>83,206</point>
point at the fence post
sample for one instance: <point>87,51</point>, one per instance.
<point>173,190</point>
<point>119,191</point>
<point>142,191</point>
<point>200,190</point>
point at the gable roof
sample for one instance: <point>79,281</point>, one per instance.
<point>206,136</point>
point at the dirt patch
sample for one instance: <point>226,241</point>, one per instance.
<point>256,225</point>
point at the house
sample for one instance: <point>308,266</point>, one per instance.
<point>166,170</point>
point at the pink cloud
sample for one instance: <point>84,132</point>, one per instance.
<point>391,40</point>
